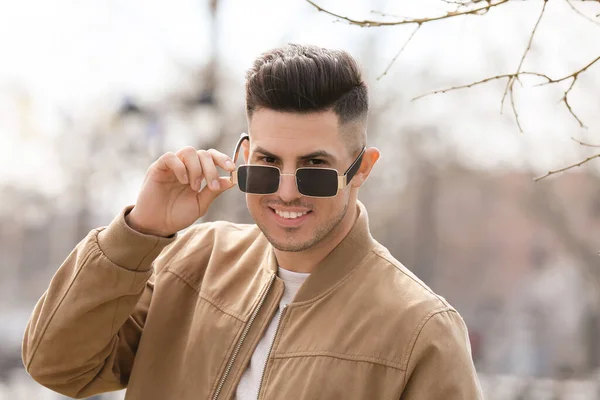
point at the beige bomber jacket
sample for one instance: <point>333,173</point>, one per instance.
<point>179,319</point>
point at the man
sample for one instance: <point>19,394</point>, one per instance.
<point>303,305</point>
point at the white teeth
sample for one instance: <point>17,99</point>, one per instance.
<point>289,214</point>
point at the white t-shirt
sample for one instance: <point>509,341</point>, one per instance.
<point>250,382</point>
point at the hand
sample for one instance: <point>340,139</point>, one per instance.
<point>170,199</point>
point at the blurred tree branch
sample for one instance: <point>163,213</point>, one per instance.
<point>399,52</point>
<point>481,7</point>
<point>576,10</point>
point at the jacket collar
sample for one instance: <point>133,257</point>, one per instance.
<point>342,260</point>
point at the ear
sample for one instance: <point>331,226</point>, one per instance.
<point>369,159</point>
<point>246,150</point>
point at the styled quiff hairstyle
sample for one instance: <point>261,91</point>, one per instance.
<point>305,79</point>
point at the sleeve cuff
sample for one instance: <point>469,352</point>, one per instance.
<point>129,248</point>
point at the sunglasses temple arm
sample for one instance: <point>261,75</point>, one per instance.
<point>351,171</point>
<point>234,157</point>
<point>236,151</point>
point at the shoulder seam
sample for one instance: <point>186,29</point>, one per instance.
<point>413,341</point>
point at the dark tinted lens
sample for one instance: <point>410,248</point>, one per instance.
<point>258,179</point>
<point>317,182</point>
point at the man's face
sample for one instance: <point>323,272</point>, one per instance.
<point>289,220</point>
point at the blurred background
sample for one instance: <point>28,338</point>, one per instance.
<point>91,93</point>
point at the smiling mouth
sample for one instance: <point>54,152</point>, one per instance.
<point>290,215</point>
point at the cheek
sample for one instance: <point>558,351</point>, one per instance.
<point>330,207</point>
<point>256,204</point>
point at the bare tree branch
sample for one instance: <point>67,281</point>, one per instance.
<point>399,52</point>
<point>515,76</point>
<point>512,77</point>
<point>486,80</point>
<point>477,10</point>
<point>575,74</point>
<point>582,15</point>
<point>537,23</point>
<point>556,171</point>
<point>584,143</point>
<point>514,108</point>
<point>566,101</point>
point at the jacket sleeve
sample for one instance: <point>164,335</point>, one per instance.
<point>84,331</point>
<point>440,365</point>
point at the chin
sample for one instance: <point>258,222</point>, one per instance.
<point>290,247</point>
<point>291,242</point>
<point>292,239</point>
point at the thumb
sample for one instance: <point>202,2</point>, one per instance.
<point>206,196</point>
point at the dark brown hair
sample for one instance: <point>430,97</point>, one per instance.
<point>304,79</point>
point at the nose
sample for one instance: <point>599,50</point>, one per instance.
<point>288,191</point>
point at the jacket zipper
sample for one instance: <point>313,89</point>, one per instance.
<point>242,338</point>
<point>262,375</point>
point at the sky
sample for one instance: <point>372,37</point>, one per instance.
<point>78,57</point>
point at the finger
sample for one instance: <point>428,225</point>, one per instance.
<point>170,162</point>
<point>207,195</point>
<point>221,160</point>
<point>189,156</point>
<point>210,170</point>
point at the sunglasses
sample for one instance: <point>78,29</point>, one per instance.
<point>311,182</point>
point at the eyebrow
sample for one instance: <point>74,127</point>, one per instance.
<point>309,156</point>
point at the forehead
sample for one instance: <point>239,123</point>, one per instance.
<point>294,133</point>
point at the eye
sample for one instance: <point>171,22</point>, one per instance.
<point>266,159</point>
<point>316,161</point>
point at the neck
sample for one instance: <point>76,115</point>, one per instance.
<point>307,260</point>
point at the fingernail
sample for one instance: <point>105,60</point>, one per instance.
<point>229,165</point>
<point>185,179</point>
<point>215,185</point>
<point>197,184</point>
